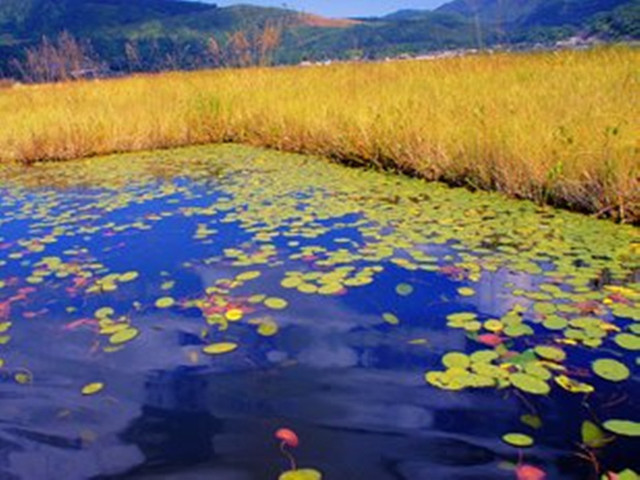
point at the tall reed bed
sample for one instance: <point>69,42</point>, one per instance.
<point>558,128</point>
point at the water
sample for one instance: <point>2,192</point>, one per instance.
<point>369,265</point>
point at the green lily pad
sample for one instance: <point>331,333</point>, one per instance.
<point>220,348</point>
<point>518,440</point>
<point>456,359</point>
<point>302,474</point>
<point>104,312</point>
<point>466,292</point>
<point>124,336</point>
<point>592,435</point>
<point>518,330</point>
<point>165,302</point>
<point>461,317</point>
<point>128,277</point>
<point>404,289</point>
<point>550,353</point>
<point>555,322</point>
<point>532,421</point>
<point>628,341</point>
<point>610,369</point>
<point>623,427</point>
<point>391,318</point>
<point>276,303</point>
<point>246,276</point>
<point>529,383</point>
<point>92,388</point>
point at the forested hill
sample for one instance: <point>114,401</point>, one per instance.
<point>114,36</point>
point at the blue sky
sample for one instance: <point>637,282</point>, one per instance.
<point>343,8</point>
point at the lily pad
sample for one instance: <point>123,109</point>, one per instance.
<point>220,348</point>
<point>623,427</point>
<point>390,318</point>
<point>573,386</point>
<point>628,341</point>
<point>466,292</point>
<point>124,336</point>
<point>610,369</point>
<point>529,383</point>
<point>302,474</point>
<point>592,435</point>
<point>518,440</point>
<point>246,276</point>
<point>404,289</point>
<point>275,303</point>
<point>92,388</point>
<point>550,353</point>
<point>456,359</point>
<point>165,302</point>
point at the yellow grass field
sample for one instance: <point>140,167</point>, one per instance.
<point>559,128</point>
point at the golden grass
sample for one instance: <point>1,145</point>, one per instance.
<point>560,128</point>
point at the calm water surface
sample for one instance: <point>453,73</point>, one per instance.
<point>333,287</point>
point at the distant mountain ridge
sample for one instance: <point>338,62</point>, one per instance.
<point>531,13</point>
<point>141,35</point>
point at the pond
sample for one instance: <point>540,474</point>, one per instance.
<point>163,314</point>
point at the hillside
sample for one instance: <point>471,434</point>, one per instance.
<point>147,35</point>
<point>532,13</point>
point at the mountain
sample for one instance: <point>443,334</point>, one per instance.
<point>146,35</point>
<point>531,13</point>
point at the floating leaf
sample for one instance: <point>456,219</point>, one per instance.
<point>246,276</point>
<point>533,421</point>
<point>554,322</point>
<point>302,474</point>
<point>23,378</point>
<point>529,384</point>
<point>104,312</point>
<point>268,328</point>
<point>550,353</point>
<point>220,348</point>
<point>628,341</point>
<point>461,317</point>
<point>610,369</point>
<point>234,314</point>
<point>456,359</point>
<point>165,302</point>
<point>466,292</point>
<point>404,289</point>
<point>592,435</point>
<point>573,386</point>
<point>518,440</point>
<point>626,474</point>
<point>275,303</point>
<point>390,318</point>
<point>128,277</point>
<point>623,427</point>
<point>92,388</point>
<point>493,325</point>
<point>124,336</point>
<point>518,330</point>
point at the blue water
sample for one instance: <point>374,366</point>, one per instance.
<point>348,383</point>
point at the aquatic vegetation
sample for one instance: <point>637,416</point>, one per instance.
<point>489,299</point>
<point>552,127</point>
<point>289,438</point>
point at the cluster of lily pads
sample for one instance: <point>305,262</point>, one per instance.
<point>321,229</point>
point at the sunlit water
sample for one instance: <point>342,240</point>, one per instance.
<point>380,261</point>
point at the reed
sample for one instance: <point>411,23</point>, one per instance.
<point>557,128</point>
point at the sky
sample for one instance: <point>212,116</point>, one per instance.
<point>343,8</point>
